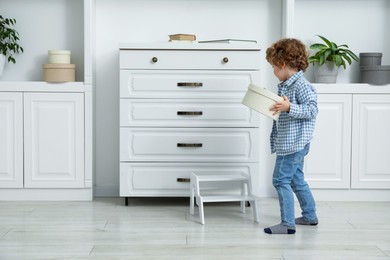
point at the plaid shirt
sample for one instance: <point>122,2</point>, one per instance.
<point>294,129</point>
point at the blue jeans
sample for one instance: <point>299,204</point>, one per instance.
<point>288,177</point>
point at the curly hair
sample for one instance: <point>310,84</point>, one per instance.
<point>290,52</point>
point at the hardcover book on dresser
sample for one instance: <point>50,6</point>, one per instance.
<point>181,112</point>
<point>182,37</point>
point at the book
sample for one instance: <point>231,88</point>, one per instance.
<point>182,37</point>
<point>229,41</point>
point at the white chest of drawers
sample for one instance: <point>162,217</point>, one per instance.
<point>181,112</point>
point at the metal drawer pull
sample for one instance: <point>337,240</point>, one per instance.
<point>189,145</point>
<point>189,113</point>
<point>225,60</point>
<point>183,180</point>
<point>154,59</point>
<point>189,84</point>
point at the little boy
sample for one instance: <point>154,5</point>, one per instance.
<point>291,134</point>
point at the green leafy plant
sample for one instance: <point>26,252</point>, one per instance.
<point>330,51</point>
<point>9,39</point>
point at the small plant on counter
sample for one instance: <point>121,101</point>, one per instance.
<point>330,51</point>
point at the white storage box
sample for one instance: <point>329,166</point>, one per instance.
<point>261,100</point>
<point>59,57</point>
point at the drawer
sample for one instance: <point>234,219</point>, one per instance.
<point>186,84</point>
<point>190,59</point>
<point>186,113</point>
<point>189,144</point>
<point>171,179</point>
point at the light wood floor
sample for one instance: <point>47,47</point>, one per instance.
<point>163,229</point>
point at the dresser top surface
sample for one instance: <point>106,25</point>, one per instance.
<point>189,46</point>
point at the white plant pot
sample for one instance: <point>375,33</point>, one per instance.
<point>326,73</point>
<point>2,63</point>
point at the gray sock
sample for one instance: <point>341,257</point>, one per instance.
<point>280,229</point>
<point>304,221</point>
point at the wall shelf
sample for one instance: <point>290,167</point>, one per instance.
<point>41,86</point>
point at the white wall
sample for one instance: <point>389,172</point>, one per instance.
<point>152,21</point>
<point>361,24</point>
<point>58,24</point>
<point>44,25</point>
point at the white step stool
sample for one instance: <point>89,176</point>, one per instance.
<point>246,192</point>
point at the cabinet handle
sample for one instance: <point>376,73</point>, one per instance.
<point>183,180</point>
<point>189,113</point>
<point>225,60</point>
<point>190,84</point>
<point>154,59</point>
<point>189,144</point>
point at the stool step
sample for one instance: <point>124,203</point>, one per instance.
<point>226,198</point>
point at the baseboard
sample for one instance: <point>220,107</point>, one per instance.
<point>46,194</point>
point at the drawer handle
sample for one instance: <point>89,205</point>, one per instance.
<point>189,113</point>
<point>189,144</point>
<point>154,59</point>
<point>183,180</point>
<point>190,84</point>
<point>225,60</point>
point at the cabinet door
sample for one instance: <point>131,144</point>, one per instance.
<point>54,140</point>
<point>328,162</point>
<point>371,142</point>
<point>11,140</point>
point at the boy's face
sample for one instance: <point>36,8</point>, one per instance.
<point>279,72</point>
<point>283,72</point>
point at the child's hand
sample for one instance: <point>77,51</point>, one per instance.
<point>282,106</point>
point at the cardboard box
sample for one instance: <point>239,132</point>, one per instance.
<point>261,100</point>
<point>59,72</point>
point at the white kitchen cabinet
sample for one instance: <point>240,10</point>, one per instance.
<point>181,111</point>
<point>371,142</point>
<point>46,142</point>
<point>43,142</point>
<point>54,140</point>
<point>350,145</point>
<point>11,140</point>
<point>328,162</point>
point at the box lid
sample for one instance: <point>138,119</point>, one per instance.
<point>59,66</point>
<point>265,92</point>
<point>370,54</point>
<point>59,52</point>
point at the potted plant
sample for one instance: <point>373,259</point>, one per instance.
<point>328,58</point>
<point>9,41</point>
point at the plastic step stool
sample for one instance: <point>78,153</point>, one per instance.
<point>246,192</point>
